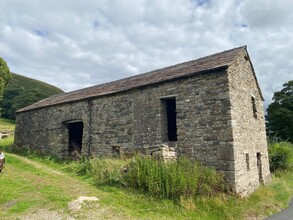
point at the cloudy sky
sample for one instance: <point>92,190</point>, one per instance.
<point>75,44</point>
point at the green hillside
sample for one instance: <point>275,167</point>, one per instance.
<point>23,91</point>
<point>29,83</point>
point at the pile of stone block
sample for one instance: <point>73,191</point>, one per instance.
<point>162,152</point>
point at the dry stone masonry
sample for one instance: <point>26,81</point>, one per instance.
<point>210,109</point>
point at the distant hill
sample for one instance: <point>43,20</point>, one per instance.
<point>22,91</point>
<point>29,83</point>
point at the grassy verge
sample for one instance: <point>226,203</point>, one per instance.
<point>28,185</point>
<point>266,201</point>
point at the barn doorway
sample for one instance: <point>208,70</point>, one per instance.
<point>169,119</point>
<point>259,167</point>
<point>75,133</point>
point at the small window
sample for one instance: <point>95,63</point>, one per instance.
<point>247,161</point>
<point>254,109</point>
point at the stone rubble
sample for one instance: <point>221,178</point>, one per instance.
<point>162,152</point>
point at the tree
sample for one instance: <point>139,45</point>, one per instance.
<point>7,106</point>
<point>16,97</point>
<point>280,114</point>
<point>5,76</point>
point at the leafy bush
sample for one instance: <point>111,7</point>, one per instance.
<point>183,178</point>
<point>281,156</point>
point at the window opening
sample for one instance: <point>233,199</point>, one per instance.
<point>169,114</point>
<point>247,161</point>
<point>75,136</point>
<point>254,109</point>
<point>259,167</point>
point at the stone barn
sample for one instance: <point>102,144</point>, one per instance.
<point>209,109</point>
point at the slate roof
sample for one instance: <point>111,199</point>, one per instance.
<point>209,63</point>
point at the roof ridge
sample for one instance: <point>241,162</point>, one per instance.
<point>148,72</point>
<point>184,69</point>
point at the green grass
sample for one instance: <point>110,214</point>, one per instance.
<point>7,124</point>
<point>183,178</point>
<point>31,184</point>
<point>6,143</point>
<point>27,186</point>
<point>29,83</point>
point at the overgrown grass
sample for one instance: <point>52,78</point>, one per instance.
<point>177,180</point>
<point>102,171</point>
<point>174,180</point>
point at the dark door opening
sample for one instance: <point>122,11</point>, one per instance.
<point>259,167</point>
<point>170,111</point>
<point>75,136</point>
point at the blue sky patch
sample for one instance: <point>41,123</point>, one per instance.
<point>96,24</point>
<point>41,33</point>
<point>202,2</point>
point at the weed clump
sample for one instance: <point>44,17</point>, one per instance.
<point>174,180</point>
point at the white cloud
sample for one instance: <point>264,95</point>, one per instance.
<point>74,44</point>
<point>267,14</point>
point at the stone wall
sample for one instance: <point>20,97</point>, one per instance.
<point>43,129</point>
<point>136,119</point>
<point>248,127</point>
